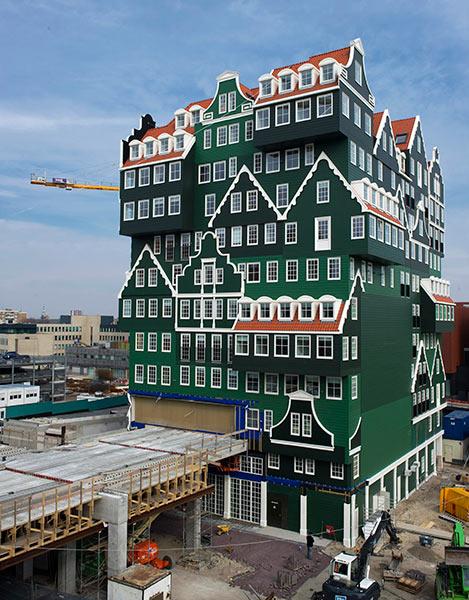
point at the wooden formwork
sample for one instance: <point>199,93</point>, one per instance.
<point>62,511</point>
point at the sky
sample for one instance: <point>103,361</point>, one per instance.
<point>77,74</point>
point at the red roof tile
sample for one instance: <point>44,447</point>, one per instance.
<point>341,56</point>
<point>401,127</point>
<point>316,325</point>
<point>443,299</point>
<point>377,121</point>
<point>293,93</point>
<point>382,213</point>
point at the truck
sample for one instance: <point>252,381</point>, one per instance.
<point>452,575</point>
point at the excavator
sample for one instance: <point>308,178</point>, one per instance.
<point>349,573</point>
<point>452,575</point>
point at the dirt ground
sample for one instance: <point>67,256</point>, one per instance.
<point>231,566</point>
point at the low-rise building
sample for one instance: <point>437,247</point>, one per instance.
<point>11,315</point>
<point>17,393</point>
<point>88,361</point>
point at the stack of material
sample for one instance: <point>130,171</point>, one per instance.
<point>413,581</point>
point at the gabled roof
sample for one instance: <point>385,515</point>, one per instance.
<point>157,264</point>
<point>403,127</point>
<point>341,55</point>
<point>377,117</point>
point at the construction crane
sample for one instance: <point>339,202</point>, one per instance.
<point>65,184</point>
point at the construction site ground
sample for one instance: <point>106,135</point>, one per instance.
<point>236,564</point>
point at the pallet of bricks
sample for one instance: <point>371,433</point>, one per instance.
<point>412,581</point>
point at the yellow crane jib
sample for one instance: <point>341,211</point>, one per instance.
<point>62,182</point>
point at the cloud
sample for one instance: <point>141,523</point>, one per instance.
<point>61,269</point>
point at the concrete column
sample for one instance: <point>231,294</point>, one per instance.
<point>367,501</point>
<point>347,520</point>
<point>67,568</point>
<point>426,462</point>
<point>112,508</point>
<point>303,514</point>
<point>193,524</point>
<point>263,522</point>
<point>406,479</point>
<point>394,487</point>
<point>354,520</point>
<point>227,497</point>
<point>24,570</point>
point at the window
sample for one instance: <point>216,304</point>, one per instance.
<point>295,427</point>
<point>127,308</point>
<point>284,311</point>
<point>143,209</point>
<point>158,207</point>
<point>166,342</point>
<point>184,375</point>
<point>152,277</point>
<point>210,201</point>
<point>327,73</point>
<point>175,171</point>
<point>140,278</point>
<point>261,345</point>
<point>285,83</point>
<point>253,273</point>
<point>216,377</point>
<point>354,387</point>
<point>337,471</point>
<point>333,268</point>
<point>236,235</point>
<point>282,346</point>
<point>231,101</point>
<point>129,179</point>
<point>282,194</point>
<point>220,232</point>
<point>232,166</point>
<point>207,139</point>
<point>140,308</point>
<point>302,346</point>
<point>356,466</point>
<point>134,152</point>
<point>306,311</point>
<point>290,233</point>
<point>312,269</point>
<point>368,124</point>
<point>152,342</point>
<point>345,347</point>
<point>164,145</point>
<point>306,78</point>
<point>179,142</point>
<point>298,465</point>
<point>324,346</point>
<point>232,379</point>
<point>129,211</point>
<point>354,308</point>
<point>272,271</point>
<point>251,200</point>
<point>357,115</point>
<point>322,233</point>
<point>242,345</point>
<point>345,105</point>
<point>292,159</point>
<point>235,205</point>
<point>380,170</point>
<point>273,461</point>
<point>272,162</point>
<point>268,420</point>
<point>167,307</point>
<point>282,114</point>
<point>159,173</point>
<point>221,136</point>
<point>358,227</point>
<point>169,247</point>
<point>324,105</point>
<point>252,386</point>
<point>271,383</point>
<point>144,176</point>
<point>309,154</point>
<point>248,130</point>
<point>185,309</point>
<point>263,118</point>
<point>204,173</point>
<point>219,170</point>
<point>257,162</point>
<point>358,73</point>
<point>372,226</point>
<point>138,374</point>
<point>200,376</point>
<point>174,205</point>
<point>353,153</point>
<point>309,466</point>
<point>222,103</point>
<point>307,425</point>
<point>139,341</point>
<point>322,192</point>
<point>303,110</point>
<point>334,388</point>
<point>153,308</point>
<point>253,235</point>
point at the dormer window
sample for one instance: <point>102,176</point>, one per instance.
<point>149,148</point>
<point>327,73</point>
<point>306,78</point>
<point>266,87</point>
<point>245,311</point>
<point>284,311</point>
<point>306,311</point>
<point>164,146</point>
<point>180,121</point>
<point>134,152</point>
<point>327,311</point>
<point>195,116</point>
<point>285,83</point>
<point>264,311</point>
<point>179,142</point>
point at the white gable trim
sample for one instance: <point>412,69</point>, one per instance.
<point>157,265</point>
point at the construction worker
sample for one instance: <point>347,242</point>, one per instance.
<point>309,545</point>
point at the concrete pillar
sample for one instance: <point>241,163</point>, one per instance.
<point>67,568</point>
<point>263,522</point>
<point>406,477</point>
<point>112,508</point>
<point>354,520</point>
<point>394,487</point>
<point>367,501</point>
<point>303,514</point>
<point>227,497</point>
<point>193,524</point>
<point>25,569</point>
<point>347,523</point>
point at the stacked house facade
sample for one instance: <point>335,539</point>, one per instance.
<point>285,280</point>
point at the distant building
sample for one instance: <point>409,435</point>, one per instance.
<point>15,394</point>
<point>456,352</point>
<point>10,315</point>
<point>46,372</point>
<point>87,361</point>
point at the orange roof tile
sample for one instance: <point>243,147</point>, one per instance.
<point>341,56</point>
<point>382,213</point>
<point>401,127</point>
<point>316,325</point>
<point>293,93</point>
<point>443,299</point>
<point>377,122</point>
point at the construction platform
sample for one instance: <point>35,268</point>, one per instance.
<point>51,496</point>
